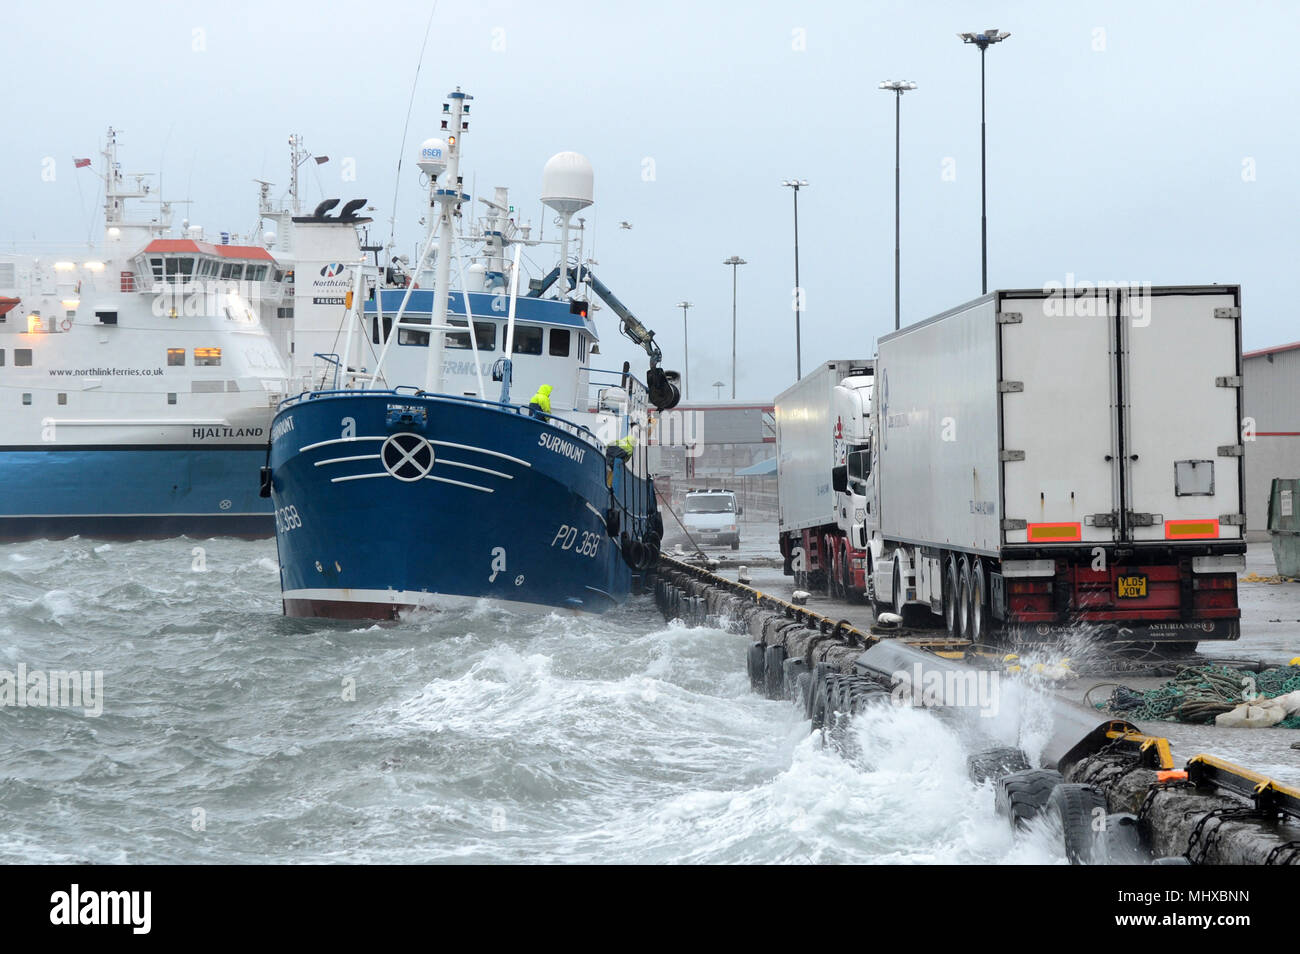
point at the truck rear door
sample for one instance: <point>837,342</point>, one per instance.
<point>1180,397</point>
<point>1060,473</point>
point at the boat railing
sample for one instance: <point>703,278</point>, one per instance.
<point>577,430</point>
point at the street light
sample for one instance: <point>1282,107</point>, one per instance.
<point>718,393</point>
<point>898,88</point>
<point>796,185</point>
<point>983,41</point>
<point>686,352</point>
<point>734,261</point>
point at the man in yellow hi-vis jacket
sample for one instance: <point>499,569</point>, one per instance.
<point>541,401</point>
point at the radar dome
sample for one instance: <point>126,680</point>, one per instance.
<point>567,182</point>
<point>433,157</point>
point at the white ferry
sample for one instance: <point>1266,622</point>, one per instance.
<point>138,380</point>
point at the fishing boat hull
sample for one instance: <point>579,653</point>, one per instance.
<point>388,502</point>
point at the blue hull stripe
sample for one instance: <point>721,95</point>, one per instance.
<point>163,490</point>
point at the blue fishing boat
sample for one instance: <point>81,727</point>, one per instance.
<point>424,482</point>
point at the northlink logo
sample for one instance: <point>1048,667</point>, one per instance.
<point>332,270</point>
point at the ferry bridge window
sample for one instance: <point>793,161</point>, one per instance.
<point>175,357</point>
<point>27,399</point>
<point>22,357</point>
<point>180,268</point>
<point>2,357</point>
<point>156,264</point>
<point>560,342</point>
<point>207,357</point>
<point>528,340</point>
<point>63,397</point>
<point>171,397</point>
<point>484,331</point>
<point>227,270</point>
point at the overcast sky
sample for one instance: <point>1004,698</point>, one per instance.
<point>1127,142</point>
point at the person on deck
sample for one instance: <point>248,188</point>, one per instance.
<point>540,403</point>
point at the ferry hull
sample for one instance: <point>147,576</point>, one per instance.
<point>387,503</point>
<point>139,492</point>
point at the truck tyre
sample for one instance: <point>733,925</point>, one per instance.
<point>964,586</point>
<point>951,615</point>
<point>977,607</point>
<point>846,578</point>
<point>735,544</point>
<point>793,673</point>
<point>899,597</point>
<point>995,763</point>
<point>1021,795</point>
<point>877,607</point>
<point>1075,807</point>
<point>774,672</point>
<point>755,666</point>
<point>828,549</point>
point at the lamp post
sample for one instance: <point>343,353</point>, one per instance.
<point>734,262</point>
<point>717,394</point>
<point>898,88</point>
<point>983,41</point>
<point>796,185</point>
<point>686,352</point>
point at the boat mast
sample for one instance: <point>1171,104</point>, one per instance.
<point>449,199</point>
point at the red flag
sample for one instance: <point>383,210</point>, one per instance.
<point>80,163</point>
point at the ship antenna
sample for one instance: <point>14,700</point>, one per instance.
<point>415,84</point>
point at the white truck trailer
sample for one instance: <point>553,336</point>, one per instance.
<point>823,422</point>
<point>1043,461</point>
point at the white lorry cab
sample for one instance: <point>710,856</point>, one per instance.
<point>711,516</point>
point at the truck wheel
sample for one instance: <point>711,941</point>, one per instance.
<point>977,603</point>
<point>735,544</point>
<point>828,548</point>
<point>846,578</point>
<point>1021,795</point>
<point>951,616</point>
<point>899,597</point>
<point>1074,807</point>
<point>774,672</point>
<point>963,599</point>
<point>756,665</point>
<point>877,607</point>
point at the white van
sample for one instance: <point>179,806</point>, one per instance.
<point>711,517</point>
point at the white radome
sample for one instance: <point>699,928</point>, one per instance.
<point>568,183</point>
<point>433,157</point>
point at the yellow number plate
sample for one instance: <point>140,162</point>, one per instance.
<point>1132,587</point>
